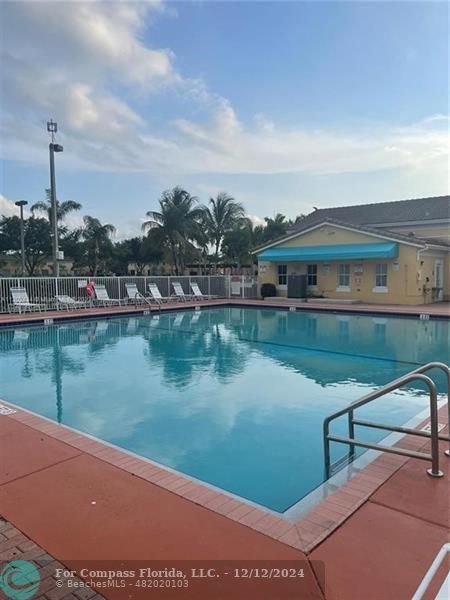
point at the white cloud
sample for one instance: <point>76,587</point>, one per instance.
<point>129,228</point>
<point>87,40</point>
<point>75,62</point>
<point>256,220</point>
<point>225,146</point>
<point>80,62</point>
<point>8,208</point>
<point>264,124</point>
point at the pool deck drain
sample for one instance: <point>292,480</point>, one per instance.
<point>80,498</point>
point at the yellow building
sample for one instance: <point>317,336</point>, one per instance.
<point>387,253</point>
<point>10,266</point>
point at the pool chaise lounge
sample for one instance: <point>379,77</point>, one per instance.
<point>68,302</point>
<point>21,300</point>
<point>155,294</point>
<point>102,296</point>
<point>198,294</point>
<point>179,292</point>
<point>134,295</point>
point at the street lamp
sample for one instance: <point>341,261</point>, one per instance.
<point>52,128</point>
<point>21,204</point>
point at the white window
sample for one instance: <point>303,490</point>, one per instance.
<point>381,275</point>
<point>282,274</point>
<point>311,275</point>
<point>344,276</point>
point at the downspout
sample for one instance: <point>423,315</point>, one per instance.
<point>418,255</point>
<point>422,250</point>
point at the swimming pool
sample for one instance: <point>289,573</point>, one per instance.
<point>232,396</point>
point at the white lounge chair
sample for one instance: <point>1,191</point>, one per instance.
<point>155,294</point>
<point>67,302</point>
<point>198,294</point>
<point>134,295</point>
<point>22,302</point>
<point>102,296</point>
<point>179,292</point>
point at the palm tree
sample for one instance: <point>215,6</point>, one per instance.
<point>223,214</point>
<point>62,208</point>
<point>177,223</point>
<point>97,239</point>
<point>275,227</point>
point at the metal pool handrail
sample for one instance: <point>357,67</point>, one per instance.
<point>416,375</point>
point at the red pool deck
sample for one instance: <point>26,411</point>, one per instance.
<point>86,502</point>
<point>440,309</point>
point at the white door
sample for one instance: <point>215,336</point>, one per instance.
<point>439,279</point>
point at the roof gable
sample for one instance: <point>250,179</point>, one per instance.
<point>376,233</point>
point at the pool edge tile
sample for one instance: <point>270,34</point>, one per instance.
<point>304,534</point>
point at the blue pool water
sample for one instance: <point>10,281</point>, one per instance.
<point>233,396</point>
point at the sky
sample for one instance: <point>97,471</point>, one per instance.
<point>284,105</point>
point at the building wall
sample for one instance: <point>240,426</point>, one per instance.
<point>410,276</point>
<point>10,266</point>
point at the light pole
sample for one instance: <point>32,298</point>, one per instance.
<point>52,128</point>
<point>21,204</point>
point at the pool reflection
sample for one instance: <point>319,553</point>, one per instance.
<point>233,396</point>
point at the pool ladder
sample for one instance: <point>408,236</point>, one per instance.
<point>433,434</point>
<point>138,297</point>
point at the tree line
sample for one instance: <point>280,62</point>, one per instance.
<point>181,233</point>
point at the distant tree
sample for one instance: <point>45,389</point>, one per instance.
<point>237,243</point>
<point>70,242</point>
<point>257,234</point>
<point>220,217</point>
<point>62,208</point>
<point>38,246</point>
<point>297,219</point>
<point>140,251</point>
<point>275,227</point>
<point>177,223</point>
<point>98,247</point>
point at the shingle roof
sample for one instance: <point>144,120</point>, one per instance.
<point>305,224</point>
<point>418,209</point>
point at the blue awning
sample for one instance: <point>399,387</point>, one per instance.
<point>326,253</point>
